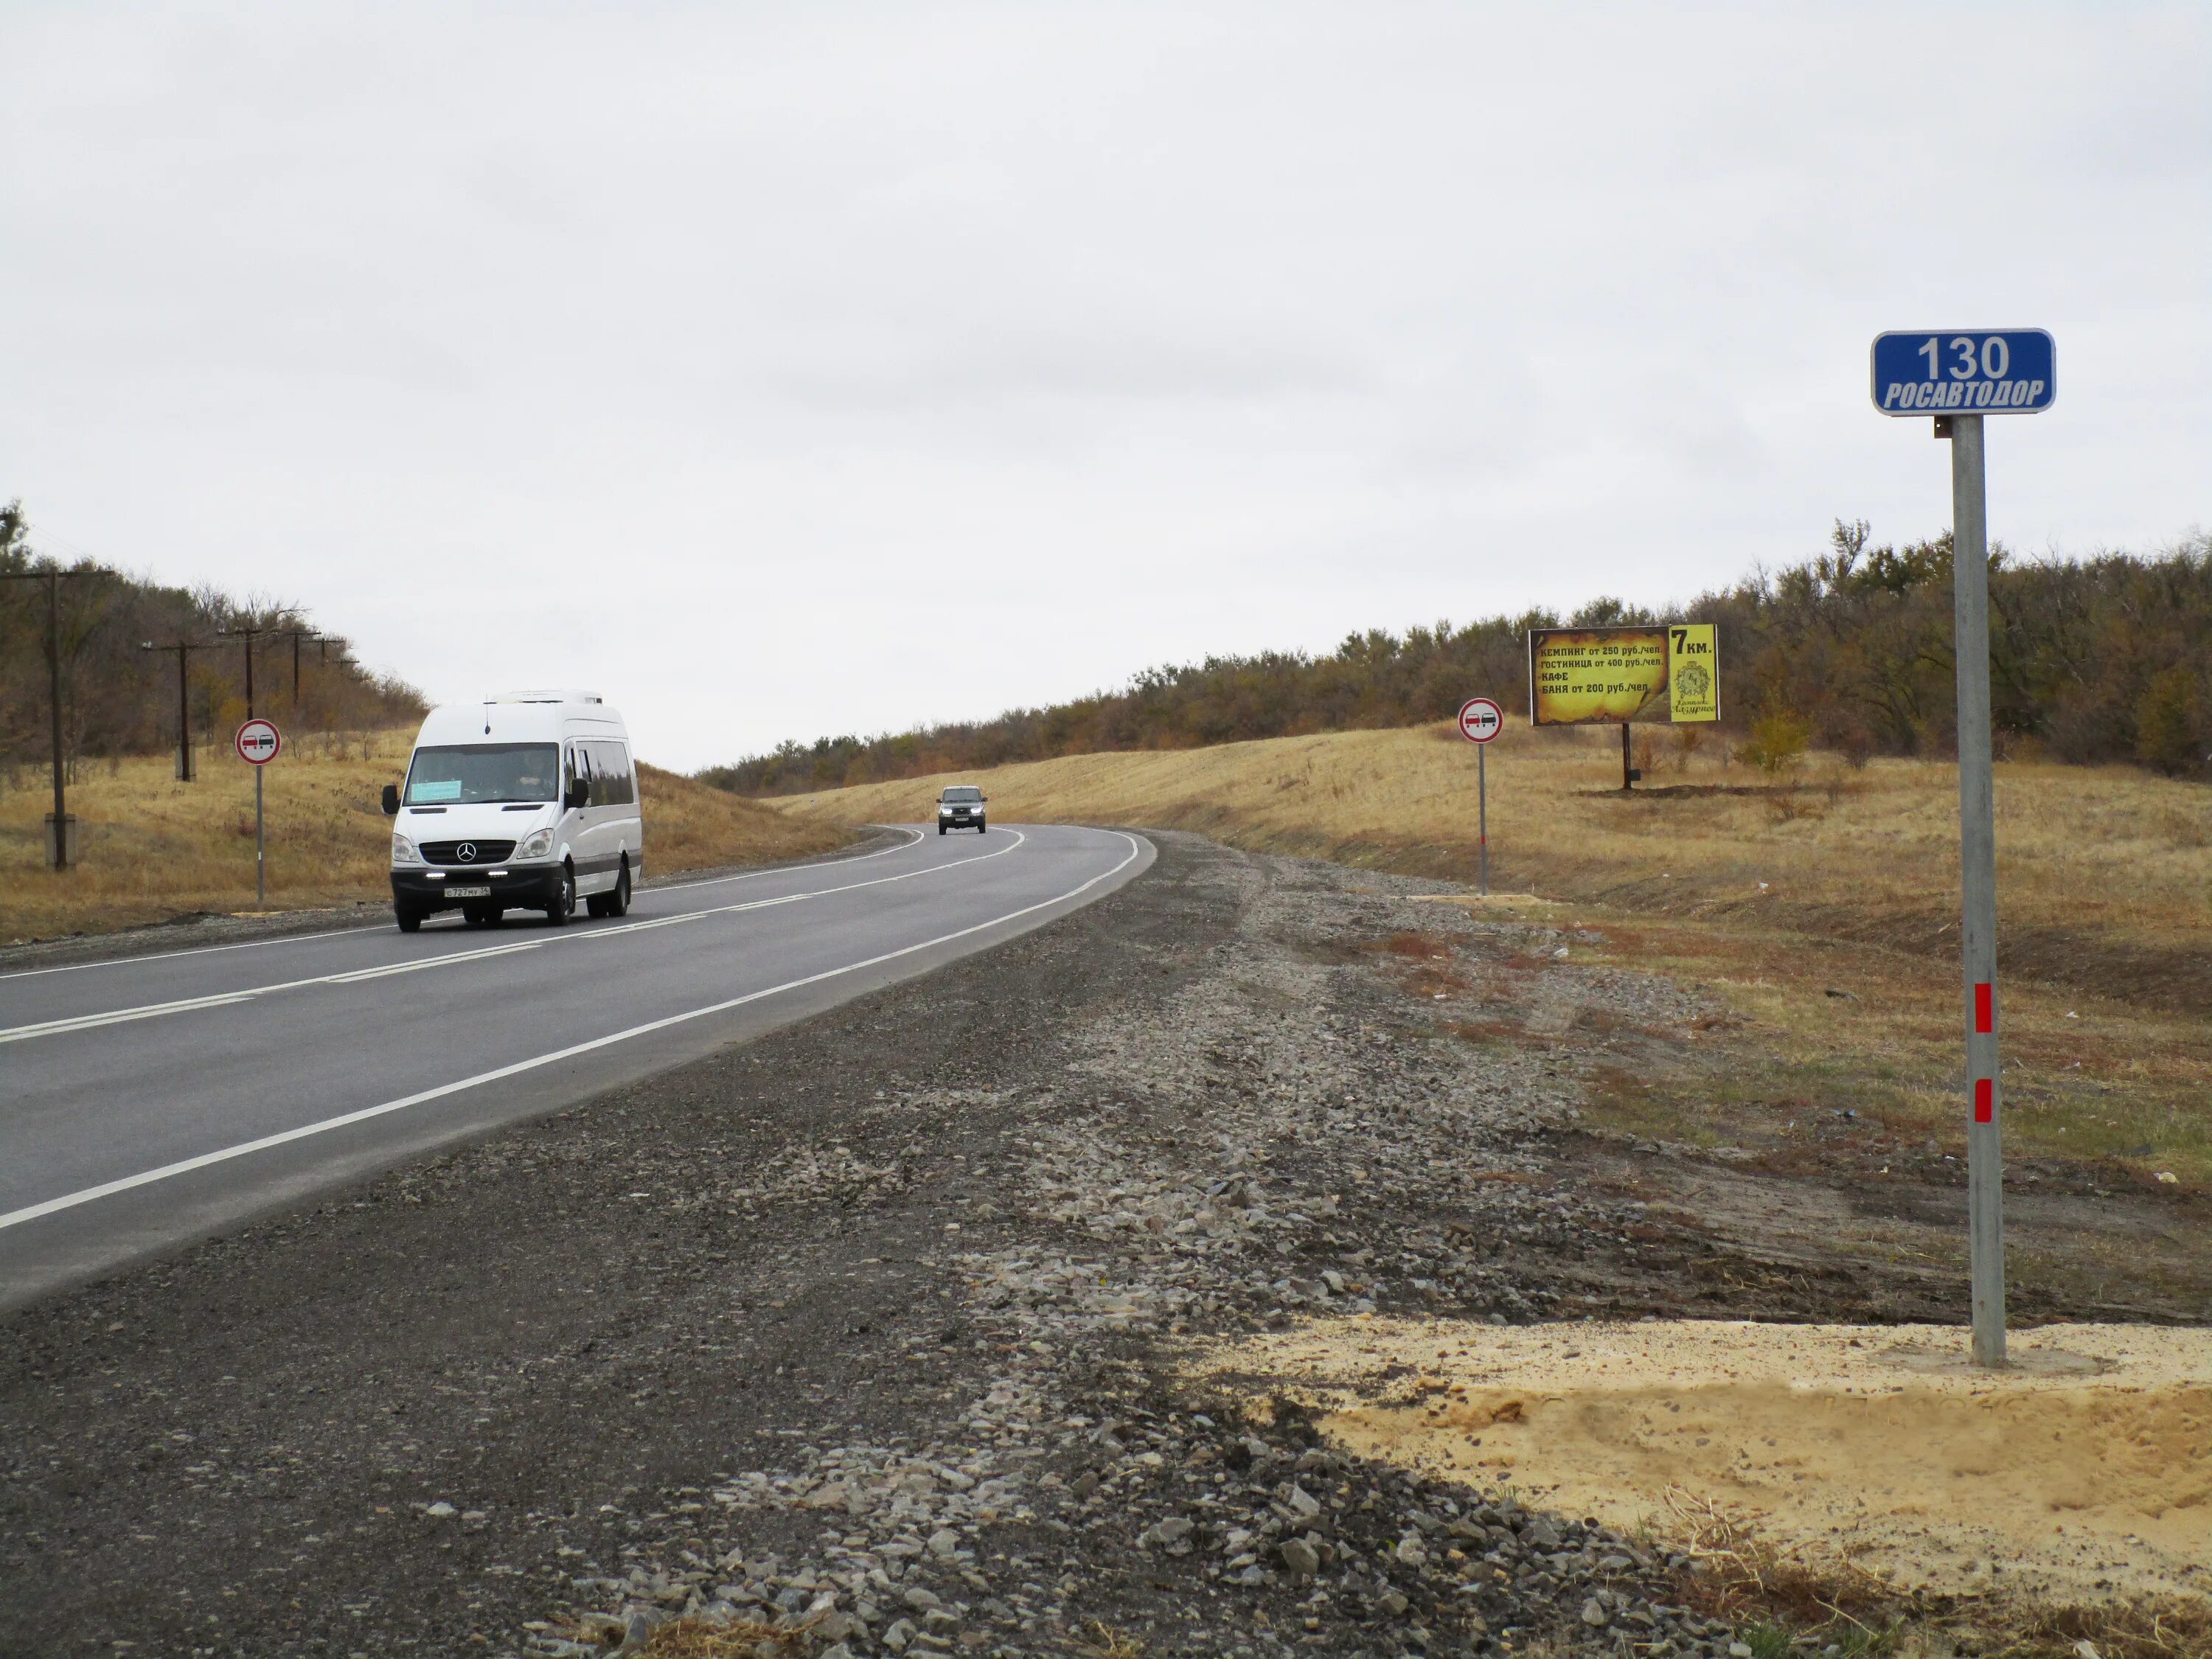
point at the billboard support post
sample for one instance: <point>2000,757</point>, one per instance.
<point>1977,870</point>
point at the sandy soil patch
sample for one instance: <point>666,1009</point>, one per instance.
<point>2085,1470</point>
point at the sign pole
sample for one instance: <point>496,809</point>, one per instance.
<point>1482,812</point>
<point>257,743</point>
<point>1958,375</point>
<point>1480,721</point>
<point>1978,868</point>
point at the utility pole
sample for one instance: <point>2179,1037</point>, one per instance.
<point>184,648</point>
<point>54,576</point>
<point>296,635</point>
<point>246,636</point>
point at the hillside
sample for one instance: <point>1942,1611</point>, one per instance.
<point>2107,860</point>
<point>1824,908</point>
<point>154,850</point>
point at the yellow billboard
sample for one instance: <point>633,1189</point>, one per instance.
<point>1607,676</point>
<point>1694,671</point>
<point>1580,676</point>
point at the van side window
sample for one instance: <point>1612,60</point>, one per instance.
<point>612,784</point>
<point>580,770</point>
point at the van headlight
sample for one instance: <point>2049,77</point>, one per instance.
<point>535,845</point>
<point>403,851</point>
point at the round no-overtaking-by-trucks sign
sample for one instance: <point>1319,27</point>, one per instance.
<point>1480,720</point>
<point>259,742</point>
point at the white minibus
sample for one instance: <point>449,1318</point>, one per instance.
<point>524,801</point>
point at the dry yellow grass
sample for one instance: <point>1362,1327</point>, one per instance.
<point>154,848</point>
<point>1824,912</point>
<point>2109,862</point>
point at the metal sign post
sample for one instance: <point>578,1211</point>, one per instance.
<point>1977,881</point>
<point>1480,721</point>
<point>1958,376</point>
<point>258,743</point>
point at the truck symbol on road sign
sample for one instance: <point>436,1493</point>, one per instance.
<point>1480,720</point>
<point>259,742</point>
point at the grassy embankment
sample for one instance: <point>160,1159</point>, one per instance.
<point>1823,910</point>
<point>154,848</point>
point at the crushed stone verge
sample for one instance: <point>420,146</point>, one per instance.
<point>1283,1132</point>
<point>872,1333</point>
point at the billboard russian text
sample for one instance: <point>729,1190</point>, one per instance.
<point>1606,676</point>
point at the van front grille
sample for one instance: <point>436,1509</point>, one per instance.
<point>480,852</point>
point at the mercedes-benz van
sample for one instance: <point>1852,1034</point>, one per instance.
<point>525,801</point>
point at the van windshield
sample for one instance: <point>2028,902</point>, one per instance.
<point>456,773</point>
<point>960,794</point>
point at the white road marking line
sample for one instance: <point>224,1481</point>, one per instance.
<point>186,1005</point>
<point>755,875</point>
<point>120,1016</point>
<point>354,976</point>
<point>185,1166</point>
<point>196,951</point>
<point>340,933</point>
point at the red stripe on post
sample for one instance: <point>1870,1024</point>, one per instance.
<point>1985,1100</point>
<point>1985,1008</point>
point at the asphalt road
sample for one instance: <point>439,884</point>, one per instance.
<point>149,1099</point>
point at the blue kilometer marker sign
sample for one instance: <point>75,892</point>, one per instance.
<point>2007,371</point>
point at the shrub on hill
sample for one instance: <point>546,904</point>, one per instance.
<point>119,700</point>
<point>2107,659</point>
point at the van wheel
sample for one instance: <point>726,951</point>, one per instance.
<point>615,902</point>
<point>564,900</point>
<point>482,915</point>
<point>979,828</point>
<point>408,918</point>
<point>940,828</point>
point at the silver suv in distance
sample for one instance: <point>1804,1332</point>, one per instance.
<point>960,807</point>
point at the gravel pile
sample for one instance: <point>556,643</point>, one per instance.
<point>1305,1126</point>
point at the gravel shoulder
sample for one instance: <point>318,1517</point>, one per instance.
<point>873,1332</point>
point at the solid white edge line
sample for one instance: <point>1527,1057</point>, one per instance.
<point>144,1178</point>
<point>69,1023</point>
<point>340,933</point>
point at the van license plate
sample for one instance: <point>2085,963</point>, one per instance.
<point>468,892</point>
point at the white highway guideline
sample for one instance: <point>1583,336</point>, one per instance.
<point>85,1195</point>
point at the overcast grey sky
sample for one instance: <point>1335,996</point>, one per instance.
<point>786,371</point>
